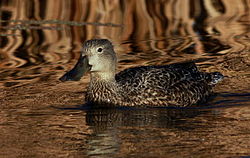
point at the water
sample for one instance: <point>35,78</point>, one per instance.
<point>42,117</point>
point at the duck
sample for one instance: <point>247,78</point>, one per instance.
<point>173,85</point>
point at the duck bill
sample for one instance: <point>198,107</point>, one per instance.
<point>78,71</point>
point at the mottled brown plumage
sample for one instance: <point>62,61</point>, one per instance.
<point>177,85</point>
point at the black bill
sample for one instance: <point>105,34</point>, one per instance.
<point>78,71</point>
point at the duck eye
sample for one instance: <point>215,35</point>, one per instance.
<point>99,50</point>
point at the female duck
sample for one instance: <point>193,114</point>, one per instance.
<point>168,85</point>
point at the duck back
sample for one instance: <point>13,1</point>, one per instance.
<point>180,84</point>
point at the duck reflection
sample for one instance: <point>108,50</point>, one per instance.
<point>109,125</point>
<point>103,118</point>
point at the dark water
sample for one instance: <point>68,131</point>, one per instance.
<point>42,117</point>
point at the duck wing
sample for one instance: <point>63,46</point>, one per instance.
<point>178,84</point>
<point>165,75</point>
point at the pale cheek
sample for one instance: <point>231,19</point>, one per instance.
<point>94,60</point>
<point>97,64</point>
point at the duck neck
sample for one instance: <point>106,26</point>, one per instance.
<point>103,89</point>
<point>102,77</point>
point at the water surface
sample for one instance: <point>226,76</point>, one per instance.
<point>42,117</point>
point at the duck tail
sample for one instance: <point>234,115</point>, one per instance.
<point>215,77</point>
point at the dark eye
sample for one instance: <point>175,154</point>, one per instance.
<point>99,50</point>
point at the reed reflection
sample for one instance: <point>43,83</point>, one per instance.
<point>53,25</point>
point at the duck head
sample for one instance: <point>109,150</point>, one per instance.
<point>97,57</point>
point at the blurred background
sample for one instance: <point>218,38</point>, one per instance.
<point>47,35</point>
<point>41,39</point>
